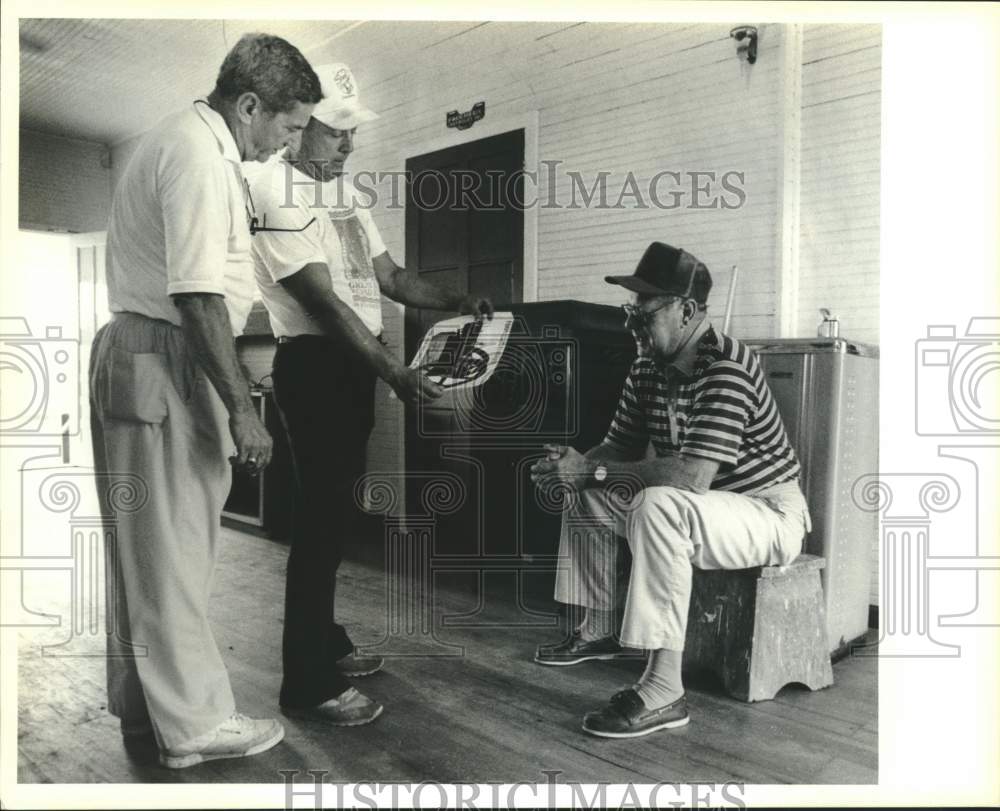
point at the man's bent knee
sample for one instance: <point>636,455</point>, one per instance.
<point>658,507</point>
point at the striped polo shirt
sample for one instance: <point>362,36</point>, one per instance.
<point>724,412</point>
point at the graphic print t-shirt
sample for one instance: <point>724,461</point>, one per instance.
<point>343,237</point>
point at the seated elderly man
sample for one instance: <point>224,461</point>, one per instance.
<point>721,492</point>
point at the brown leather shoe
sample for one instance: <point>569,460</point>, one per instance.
<point>626,716</point>
<point>575,650</point>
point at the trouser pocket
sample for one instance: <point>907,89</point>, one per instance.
<point>132,386</point>
<point>792,524</point>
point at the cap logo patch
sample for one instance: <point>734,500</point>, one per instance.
<point>343,80</point>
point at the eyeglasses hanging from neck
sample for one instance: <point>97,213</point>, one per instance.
<point>257,225</point>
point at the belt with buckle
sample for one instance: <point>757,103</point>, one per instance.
<point>288,339</point>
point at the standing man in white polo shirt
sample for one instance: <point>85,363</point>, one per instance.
<point>322,269</point>
<point>169,403</point>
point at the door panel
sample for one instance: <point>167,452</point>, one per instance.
<point>493,280</point>
<point>496,222</point>
<point>440,239</point>
<point>474,242</point>
<point>474,229</point>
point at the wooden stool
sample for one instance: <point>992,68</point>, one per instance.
<point>760,629</point>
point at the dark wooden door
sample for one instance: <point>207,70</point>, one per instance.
<point>464,229</point>
<point>465,223</point>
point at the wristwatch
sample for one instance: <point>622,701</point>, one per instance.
<point>600,472</point>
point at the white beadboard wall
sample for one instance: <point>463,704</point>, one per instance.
<point>64,184</point>
<point>637,98</point>
<point>841,144</point>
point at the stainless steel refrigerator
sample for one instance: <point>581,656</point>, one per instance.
<point>827,392</point>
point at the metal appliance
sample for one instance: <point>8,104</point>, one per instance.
<point>827,392</point>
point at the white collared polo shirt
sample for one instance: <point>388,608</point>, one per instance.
<point>179,221</point>
<point>324,223</point>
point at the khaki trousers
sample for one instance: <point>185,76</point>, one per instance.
<point>668,531</point>
<point>155,417</point>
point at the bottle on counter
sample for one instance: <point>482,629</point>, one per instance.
<point>829,327</point>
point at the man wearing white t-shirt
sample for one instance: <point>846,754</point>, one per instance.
<point>322,269</point>
<point>169,403</point>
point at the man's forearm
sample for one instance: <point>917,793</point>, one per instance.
<point>312,289</point>
<point>671,470</point>
<point>207,329</point>
<point>607,453</point>
<point>414,291</point>
<point>339,321</point>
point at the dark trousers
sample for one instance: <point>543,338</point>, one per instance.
<point>326,402</point>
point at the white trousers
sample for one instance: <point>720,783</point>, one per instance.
<point>156,419</point>
<point>668,531</point>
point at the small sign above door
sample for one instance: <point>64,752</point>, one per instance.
<point>465,120</point>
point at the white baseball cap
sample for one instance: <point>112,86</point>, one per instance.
<point>340,107</point>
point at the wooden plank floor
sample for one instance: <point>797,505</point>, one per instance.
<point>487,715</point>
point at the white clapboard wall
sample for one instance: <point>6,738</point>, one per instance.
<point>624,98</point>
<point>839,213</point>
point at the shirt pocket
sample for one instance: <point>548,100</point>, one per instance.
<point>133,386</point>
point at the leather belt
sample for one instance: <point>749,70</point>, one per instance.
<point>288,339</point>
<point>306,338</point>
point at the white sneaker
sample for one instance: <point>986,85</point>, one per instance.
<point>237,736</point>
